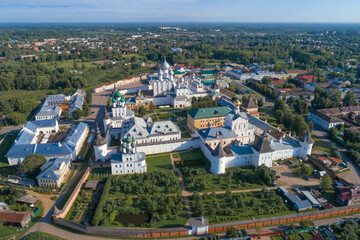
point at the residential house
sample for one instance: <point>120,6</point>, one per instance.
<point>347,195</point>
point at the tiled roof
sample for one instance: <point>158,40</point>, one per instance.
<point>263,145</point>
<point>249,103</point>
<point>14,217</point>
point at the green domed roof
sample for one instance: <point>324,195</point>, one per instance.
<point>133,145</point>
<point>122,99</point>
<point>133,139</point>
<point>117,94</point>
<point>124,145</point>
<point>128,139</point>
<point>113,100</point>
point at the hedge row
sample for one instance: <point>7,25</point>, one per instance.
<point>101,204</point>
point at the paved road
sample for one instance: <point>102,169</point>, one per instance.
<point>99,101</point>
<point>10,128</point>
<point>320,222</point>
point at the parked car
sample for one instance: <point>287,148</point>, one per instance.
<point>307,178</point>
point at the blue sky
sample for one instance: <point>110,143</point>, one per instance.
<point>179,11</point>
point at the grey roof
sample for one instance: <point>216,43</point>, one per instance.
<point>134,127</point>
<point>164,127</point>
<point>301,204</point>
<point>287,143</point>
<point>27,199</point>
<point>263,144</point>
<point>49,110</point>
<point>75,135</point>
<point>21,150</point>
<point>99,139</point>
<point>309,197</point>
<point>307,137</point>
<point>219,150</point>
<point>53,169</point>
<point>199,222</point>
<point>241,150</point>
<point>33,125</point>
<point>249,103</point>
<point>53,149</point>
<point>76,103</point>
<point>216,133</point>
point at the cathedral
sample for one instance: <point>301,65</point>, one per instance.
<point>178,92</point>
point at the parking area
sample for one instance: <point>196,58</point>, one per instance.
<point>289,180</point>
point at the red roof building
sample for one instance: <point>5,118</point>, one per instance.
<point>17,219</point>
<point>347,195</point>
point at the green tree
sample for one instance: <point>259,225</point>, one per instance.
<point>350,99</point>
<point>77,114</point>
<point>142,111</point>
<point>326,183</point>
<point>14,118</point>
<point>260,103</point>
<point>279,105</point>
<point>31,164</point>
<point>332,133</point>
<point>266,80</point>
<point>231,232</point>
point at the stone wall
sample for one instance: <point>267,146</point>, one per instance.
<point>184,231</point>
<point>168,146</point>
<point>74,194</point>
<point>116,84</point>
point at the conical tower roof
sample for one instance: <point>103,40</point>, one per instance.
<point>263,144</point>
<point>106,115</point>
<point>219,150</point>
<point>99,139</point>
<point>307,138</point>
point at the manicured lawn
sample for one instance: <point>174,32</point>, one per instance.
<point>193,155</point>
<point>158,162</point>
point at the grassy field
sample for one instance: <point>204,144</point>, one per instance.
<point>158,162</point>
<point>319,145</point>
<point>214,182</point>
<point>5,146</point>
<point>38,95</point>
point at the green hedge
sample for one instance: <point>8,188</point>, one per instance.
<point>103,198</point>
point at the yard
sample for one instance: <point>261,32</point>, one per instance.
<point>230,207</point>
<point>197,177</point>
<point>319,146</point>
<point>159,162</point>
<point>290,180</point>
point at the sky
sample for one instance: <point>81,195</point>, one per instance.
<point>53,11</point>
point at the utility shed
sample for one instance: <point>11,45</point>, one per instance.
<point>91,185</point>
<point>27,199</point>
<point>315,203</point>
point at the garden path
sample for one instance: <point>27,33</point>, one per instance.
<point>184,193</point>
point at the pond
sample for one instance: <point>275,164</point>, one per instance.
<point>136,220</point>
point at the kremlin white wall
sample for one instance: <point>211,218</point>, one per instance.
<point>161,147</point>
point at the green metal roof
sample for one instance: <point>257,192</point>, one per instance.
<point>207,72</point>
<point>209,112</point>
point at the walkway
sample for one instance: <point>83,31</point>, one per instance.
<point>184,193</point>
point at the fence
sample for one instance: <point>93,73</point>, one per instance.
<point>184,231</point>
